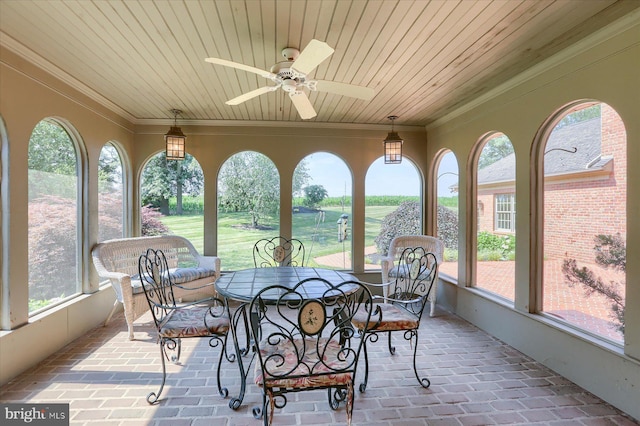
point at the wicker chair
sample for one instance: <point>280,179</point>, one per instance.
<point>307,344</point>
<point>403,308</point>
<point>278,251</point>
<point>205,318</point>
<point>118,261</point>
<point>397,246</point>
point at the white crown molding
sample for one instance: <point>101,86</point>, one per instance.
<point>625,23</point>
<point>293,124</point>
<point>32,57</point>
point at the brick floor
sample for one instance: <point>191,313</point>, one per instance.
<point>476,380</point>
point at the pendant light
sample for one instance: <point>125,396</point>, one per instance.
<point>175,139</point>
<point>392,145</point>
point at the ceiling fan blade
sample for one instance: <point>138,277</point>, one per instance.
<point>345,89</point>
<point>312,56</point>
<point>242,67</point>
<point>250,95</point>
<point>302,104</point>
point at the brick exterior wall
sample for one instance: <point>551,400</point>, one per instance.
<point>578,209</point>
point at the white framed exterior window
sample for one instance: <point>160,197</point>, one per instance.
<point>505,213</point>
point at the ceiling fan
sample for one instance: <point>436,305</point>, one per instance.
<point>291,76</point>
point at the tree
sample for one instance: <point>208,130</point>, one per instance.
<point>313,195</point>
<point>579,116</point>
<point>109,169</point>
<point>495,149</point>
<point>300,177</point>
<point>162,179</point>
<point>51,149</point>
<point>249,182</point>
<point>610,252</point>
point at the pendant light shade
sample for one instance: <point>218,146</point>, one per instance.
<point>175,140</point>
<point>392,145</point>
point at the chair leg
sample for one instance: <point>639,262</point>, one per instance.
<point>115,306</point>
<point>424,382</point>
<point>373,337</point>
<point>432,311</point>
<point>153,397</point>
<point>130,318</point>
<point>392,349</point>
<point>349,403</point>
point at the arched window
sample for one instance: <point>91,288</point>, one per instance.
<point>110,194</point>
<point>248,207</point>
<point>447,207</point>
<point>54,212</point>
<point>322,215</point>
<point>496,216</point>
<point>585,195</point>
<point>172,202</point>
<point>393,206</point>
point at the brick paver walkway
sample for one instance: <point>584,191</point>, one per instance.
<point>475,380</point>
<point>571,303</point>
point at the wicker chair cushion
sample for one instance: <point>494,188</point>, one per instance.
<point>306,373</point>
<point>179,276</point>
<point>190,322</point>
<point>393,319</point>
<point>403,271</point>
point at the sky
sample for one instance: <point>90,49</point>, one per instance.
<point>331,172</point>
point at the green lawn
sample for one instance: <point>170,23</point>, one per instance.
<point>236,240</point>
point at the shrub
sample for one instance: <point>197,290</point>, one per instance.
<point>151,224</point>
<point>488,243</point>
<point>448,227</point>
<point>405,220</point>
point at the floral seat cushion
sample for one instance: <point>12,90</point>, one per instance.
<point>194,321</point>
<point>307,372</point>
<point>393,318</point>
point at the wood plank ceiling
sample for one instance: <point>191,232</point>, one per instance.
<point>423,58</point>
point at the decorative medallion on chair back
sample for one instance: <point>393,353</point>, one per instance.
<point>306,344</point>
<point>402,309</point>
<point>278,251</point>
<point>206,318</point>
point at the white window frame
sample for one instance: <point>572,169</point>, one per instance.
<point>505,213</point>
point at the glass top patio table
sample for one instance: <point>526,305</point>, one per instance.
<point>244,284</point>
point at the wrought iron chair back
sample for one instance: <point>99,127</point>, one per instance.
<point>153,270</point>
<point>307,344</point>
<point>412,288</point>
<point>388,264</point>
<point>204,318</point>
<point>278,251</point>
<point>403,306</point>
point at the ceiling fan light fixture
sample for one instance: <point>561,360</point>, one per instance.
<point>393,145</point>
<point>175,140</point>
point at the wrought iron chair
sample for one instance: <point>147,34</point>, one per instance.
<point>278,251</point>
<point>307,344</point>
<point>397,246</point>
<point>205,318</point>
<point>402,309</point>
